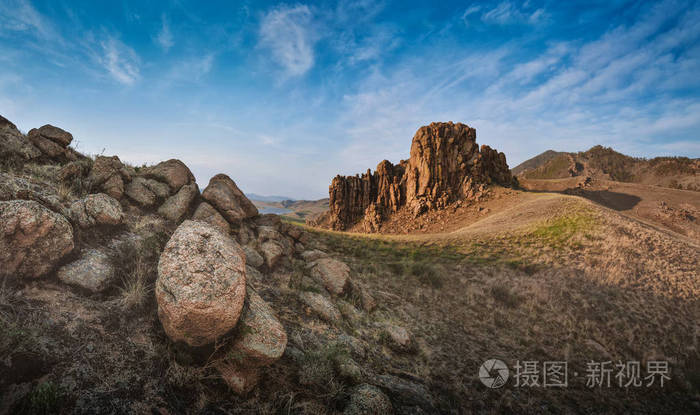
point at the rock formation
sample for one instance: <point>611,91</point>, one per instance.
<point>445,165</point>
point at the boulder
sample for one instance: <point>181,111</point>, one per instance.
<point>47,147</point>
<point>253,257</point>
<point>33,239</point>
<point>268,233</point>
<point>368,400</point>
<point>93,271</point>
<point>322,306</point>
<point>177,205</point>
<point>173,172</point>
<point>201,284</point>
<point>61,137</point>
<point>103,209</point>
<point>273,252</point>
<point>226,197</point>
<point>332,273</point>
<point>13,187</point>
<point>206,213</point>
<point>313,255</point>
<point>14,144</point>
<point>109,175</point>
<point>240,380</point>
<point>146,192</point>
<point>260,338</point>
<point>399,338</point>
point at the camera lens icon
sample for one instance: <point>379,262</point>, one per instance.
<point>493,373</point>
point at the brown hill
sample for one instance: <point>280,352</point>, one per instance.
<point>445,165</point>
<point>607,164</point>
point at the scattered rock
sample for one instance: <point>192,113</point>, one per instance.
<point>224,195</point>
<point>253,257</point>
<point>313,255</point>
<point>322,306</point>
<point>32,239</point>
<point>173,172</point>
<point>368,400</point>
<point>399,338</point>
<point>332,273</point>
<point>93,271</point>
<point>206,213</point>
<point>240,380</point>
<point>201,284</point>
<point>177,205</point>
<point>273,252</point>
<point>405,391</point>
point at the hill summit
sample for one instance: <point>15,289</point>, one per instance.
<point>445,164</point>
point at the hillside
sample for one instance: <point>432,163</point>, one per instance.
<point>535,162</point>
<point>605,163</point>
<point>128,290</point>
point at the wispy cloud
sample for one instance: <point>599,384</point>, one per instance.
<point>165,36</point>
<point>505,13</point>
<point>287,33</point>
<point>120,61</point>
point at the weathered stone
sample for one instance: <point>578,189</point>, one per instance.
<point>253,257</point>
<point>322,306</point>
<point>299,248</point>
<point>368,400</point>
<point>47,147</point>
<point>177,205</point>
<point>173,172</point>
<point>206,213</point>
<point>105,210</point>
<point>356,346</point>
<point>109,175</point>
<point>224,195</point>
<point>407,392</point>
<point>273,252</point>
<point>444,166</point>
<point>93,271</point>
<point>55,134</point>
<point>13,187</point>
<point>268,233</point>
<point>260,339</point>
<point>348,369</point>
<point>399,338</point>
<point>313,255</point>
<point>268,219</point>
<point>32,239</point>
<point>146,192</point>
<point>14,144</point>
<point>240,380</point>
<point>201,284</point>
<point>332,273</point>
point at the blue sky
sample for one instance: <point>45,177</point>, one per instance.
<point>283,96</point>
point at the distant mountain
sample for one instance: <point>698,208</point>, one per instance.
<point>605,163</point>
<point>535,162</point>
<point>269,199</point>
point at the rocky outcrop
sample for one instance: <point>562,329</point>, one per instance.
<point>13,187</point>
<point>13,144</point>
<point>201,284</point>
<point>445,165</point>
<point>109,175</point>
<point>173,172</point>
<point>227,198</point>
<point>53,142</point>
<point>32,239</point>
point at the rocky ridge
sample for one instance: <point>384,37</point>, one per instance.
<point>445,165</point>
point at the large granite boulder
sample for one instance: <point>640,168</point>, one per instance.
<point>201,284</point>
<point>33,239</point>
<point>13,187</point>
<point>177,205</point>
<point>147,192</point>
<point>96,209</point>
<point>227,198</point>
<point>93,271</point>
<point>206,213</point>
<point>173,172</point>
<point>332,273</point>
<point>14,144</point>
<point>110,175</point>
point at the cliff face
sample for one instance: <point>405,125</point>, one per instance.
<point>445,165</point>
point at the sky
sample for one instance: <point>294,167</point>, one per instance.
<point>284,96</point>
